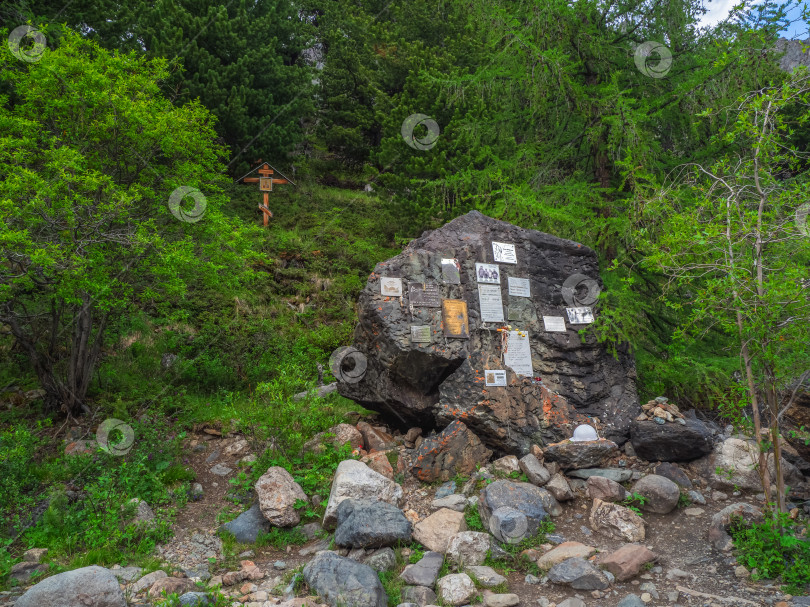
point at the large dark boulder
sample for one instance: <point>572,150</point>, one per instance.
<point>437,383</point>
<point>671,442</point>
<point>343,582</point>
<point>370,523</point>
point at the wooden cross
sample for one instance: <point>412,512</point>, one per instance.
<point>266,181</point>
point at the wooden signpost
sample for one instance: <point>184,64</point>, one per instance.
<point>265,180</point>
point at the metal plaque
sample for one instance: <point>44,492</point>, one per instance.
<point>489,299</point>
<point>518,354</point>
<point>488,273</point>
<point>579,316</point>
<point>266,184</point>
<point>451,271</point>
<point>519,287</point>
<point>495,377</point>
<point>555,324</point>
<point>392,287</point>
<point>424,294</point>
<point>454,318</point>
<point>504,252</point>
<point>420,334</point>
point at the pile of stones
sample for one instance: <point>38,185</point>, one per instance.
<point>661,411</point>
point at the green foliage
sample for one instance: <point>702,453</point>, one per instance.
<point>473,519</point>
<point>279,538</point>
<point>392,584</point>
<point>776,548</point>
<point>634,501</point>
<point>512,559</point>
<point>684,501</point>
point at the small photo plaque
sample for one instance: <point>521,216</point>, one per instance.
<point>504,252</point>
<point>420,334</point>
<point>451,271</point>
<point>555,324</point>
<point>519,287</point>
<point>392,287</point>
<point>488,273</point>
<point>495,377</point>
<point>426,295</point>
<point>579,316</point>
<point>454,318</point>
<point>489,298</point>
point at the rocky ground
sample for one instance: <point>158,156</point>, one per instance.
<point>601,553</point>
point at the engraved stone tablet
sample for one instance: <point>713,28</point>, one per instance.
<point>495,377</point>
<point>519,287</point>
<point>518,354</point>
<point>579,316</point>
<point>555,324</point>
<point>392,287</point>
<point>426,294</point>
<point>451,272</point>
<point>454,318</point>
<point>487,272</point>
<point>504,252</point>
<point>489,297</point>
<point>420,334</point>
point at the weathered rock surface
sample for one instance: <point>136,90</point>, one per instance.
<point>485,576</point>
<point>375,439</point>
<point>661,494</point>
<point>563,552</point>
<point>421,596</point>
<point>796,53</point>
<point>455,502</point>
<point>444,380</point>
<point>455,450</point>
<point>435,531</point>
<point>277,493</point>
<point>671,442</point>
<point>170,585</point>
<point>618,475</point>
<point>455,589</point>
<point>425,571</point>
<point>718,528</point>
<point>599,487</point>
<point>617,521</point>
<point>627,561</point>
<point>506,465</point>
<point>674,473</point>
<point>589,454</point>
<point>370,523</point>
<point>247,526</point>
<point>378,461</point>
<point>501,600</point>
<point>354,479</point>
<point>579,574</point>
<point>558,487</point>
<point>518,500</point>
<point>343,582</point>
<point>468,548</point>
<point>534,470</point>
<point>94,586</point>
<point>338,436</point>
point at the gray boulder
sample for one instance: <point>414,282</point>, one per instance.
<point>579,574</point>
<point>425,571</point>
<point>674,473</point>
<point>520,507</point>
<point>383,559</point>
<point>370,523</point>
<point>718,528</point>
<point>661,494</point>
<point>419,595</point>
<point>247,526</point>
<point>343,582</point>
<point>671,442</point>
<point>94,586</point>
<point>534,470</point>
<point>572,455</point>
<point>195,599</point>
<point>444,380</point>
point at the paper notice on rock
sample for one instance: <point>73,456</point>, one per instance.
<point>495,377</point>
<point>579,316</point>
<point>504,252</point>
<point>519,287</point>
<point>518,354</point>
<point>489,297</point>
<point>554,323</point>
<point>392,287</point>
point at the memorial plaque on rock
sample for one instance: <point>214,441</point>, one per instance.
<point>489,298</point>
<point>518,354</point>
<point>519,287</point>
<point>424,294</point>
<point>495,377</point>
<point>488,273</point>
<point>392,287</point>
<point>521,310</point>
<point>579,316</point>
<point>454,318</point>
<point>420,334</point>
<point>504,252</point>
<point>451,271</point>
<point>554,324</point>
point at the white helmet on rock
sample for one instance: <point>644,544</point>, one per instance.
<point>583,434</point>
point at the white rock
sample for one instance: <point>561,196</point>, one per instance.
<point>455,589</point>
<point>355,479</point>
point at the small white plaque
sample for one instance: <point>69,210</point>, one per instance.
<point>488,272</point>
<point>579,316</point>
<point>518,354</point>
<point>495,377</point>
<point>519,287</point>
<point>504,252</point>
<point>392,287</point>
<point>489,299</point>
<point>555,323</point>
<point>420,334</point>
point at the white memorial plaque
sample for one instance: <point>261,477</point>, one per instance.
<point>495,377</point>
<point>420,334</point>
<point>489,298</point>
<point>488,272</point>
<point>579,316</point>
<point>518,354</point>
<point>392,287</point>
<point>504,252</point>
<point>519,287</point>
<point>555,323</point>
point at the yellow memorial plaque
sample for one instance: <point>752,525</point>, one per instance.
<point>454,318</point>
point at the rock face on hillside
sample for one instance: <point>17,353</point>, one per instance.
<point>797,53</point>
<point>443,381</point>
